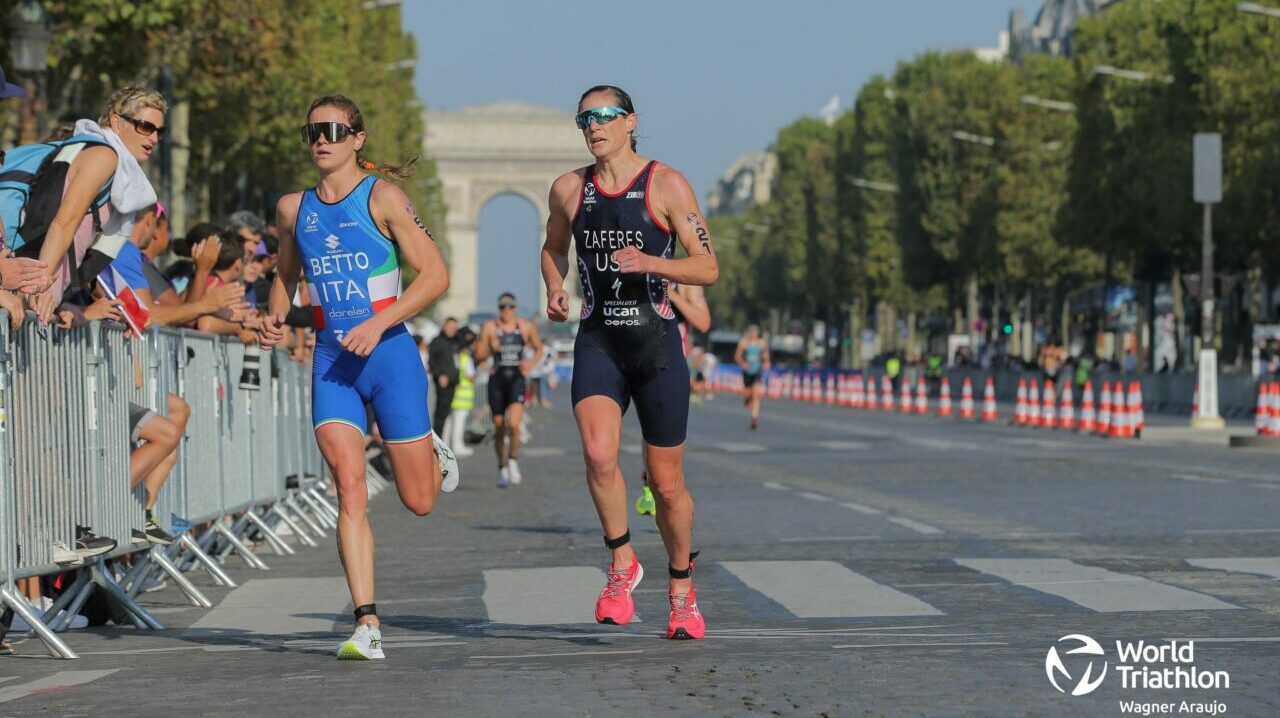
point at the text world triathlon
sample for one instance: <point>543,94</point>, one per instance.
<point>1182,674</point>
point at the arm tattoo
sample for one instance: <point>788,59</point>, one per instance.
<point>704,240</point>
<point>408,207</point>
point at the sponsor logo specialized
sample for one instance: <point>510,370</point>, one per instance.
<point>1140,666</point>
<point>617,288</point>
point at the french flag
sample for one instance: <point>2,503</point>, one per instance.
<point>115,287</point>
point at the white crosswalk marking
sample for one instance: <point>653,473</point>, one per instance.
<point>57,681</point>
<point>542,596</point>
<point>917,526</point>
<point>812,496</point>
<point>825,589</point>
<point>278,606</point>
<point>1092,587</point>
<point>842,445</point>
<point>541,452</point>
<point>1265,566</point>
<point>860,508</point>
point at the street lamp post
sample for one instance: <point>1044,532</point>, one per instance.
<point>1207,190</point>
<point>31,38</point>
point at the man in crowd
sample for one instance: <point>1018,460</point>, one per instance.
<point>442,359</point>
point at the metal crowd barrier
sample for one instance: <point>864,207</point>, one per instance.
<point>247,467</point>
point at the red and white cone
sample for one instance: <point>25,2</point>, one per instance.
<point>989,412</point>
<point>1088,419</point>
<point>1033,403</point>
<point>944,398</point>
<point>1020,409</point>
<point>886,394</point>
<point>904,405</point>
<point>1048,410</point>
<point>922,397</point>
<point>966,399</point>
<point>1067,420</point>
<point>1137,415</point>
<point>1262,417</point>
<point>1104,413</point>
<point>1274,426</point>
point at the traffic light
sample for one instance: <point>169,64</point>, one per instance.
<point>1008,329</point>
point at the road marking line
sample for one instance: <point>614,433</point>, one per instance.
<point>842,445</point>
<point>922,645</point>
<point>1033,534</point>
<point>539,452</point>
<point>274,606</point>
<point>1265,566</point>
<point>861,509</point>
<point>813,497</point>
<point>825,539</point>
<point>775,486</point>
<point>850,629</point>
<point>56,682</point>
<point>826,589</point>
<point>1210,532</point>
<point>1201,479</point>
<point>740,447</point>
<point>542,596</point>
<point>6,679</point>
<point>553,655</point>
<point>1092,587</point>
<point>915,525</point>
<point>940,444</point>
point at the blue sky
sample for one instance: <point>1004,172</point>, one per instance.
<point>711,79</point>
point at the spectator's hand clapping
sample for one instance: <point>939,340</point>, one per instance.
<point>271,331</point>
<point>23,274</point>
<point>205,254</point>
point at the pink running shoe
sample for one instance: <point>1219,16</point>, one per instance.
<point>686,620</point>
<point>614,604</point>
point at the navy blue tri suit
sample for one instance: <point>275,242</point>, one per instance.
<point>628,344</point>
<point>506,386</point>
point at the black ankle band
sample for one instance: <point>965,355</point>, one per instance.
<point>685,573</point>
<point>369,609</point>
<point>619,542</point>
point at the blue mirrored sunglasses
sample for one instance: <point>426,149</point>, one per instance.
<point>602,116</point>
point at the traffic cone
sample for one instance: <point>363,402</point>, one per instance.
<point>1273,428</point>
<point>1020,409</point>
<point>1067,420</point>
<point>1104,413</point>
<point>989,401</point>
<point>922,397</point>
<point>1048,412</point>
<point>860,391</point>
<point>905,395</point>
<point>1195,402</point>
<point>886,394</point>
<point>816,397</point>
<point>1033,403</point>
<point>1262,414</point>
<point>1137,415</point>
<point>966,399</point>
<point>944,398</point>
<point>831,390</point>
<point>1120,426</point>
<point>1088,420</point>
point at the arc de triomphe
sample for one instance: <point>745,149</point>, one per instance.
<point>488,150</point>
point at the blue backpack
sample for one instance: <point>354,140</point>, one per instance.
<point>32,180</point>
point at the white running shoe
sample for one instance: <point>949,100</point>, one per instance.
<point>64,556</point>
<point>448,463</point>
<point>504,479</point>
<point>463,451</point>
<point>364,645</point>
<point>513,472</point>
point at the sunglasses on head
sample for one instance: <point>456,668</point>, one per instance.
<point>331,131</point>
<point>602,116</point>
<point>144,128</point>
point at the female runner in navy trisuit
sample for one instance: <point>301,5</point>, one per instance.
<point>347,236</point>
<point>625,215</point>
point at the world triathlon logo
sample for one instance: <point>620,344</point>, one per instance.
<point>312,220</point>
<point>1055,668</point>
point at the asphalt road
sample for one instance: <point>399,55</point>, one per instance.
<point>853,563</point>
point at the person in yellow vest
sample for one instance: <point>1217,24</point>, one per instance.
<point>464,395</point>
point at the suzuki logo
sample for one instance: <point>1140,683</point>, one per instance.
<point>332,242</point>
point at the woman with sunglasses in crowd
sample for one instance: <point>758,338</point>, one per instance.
<point>347,236</point>
<point>625,215</point>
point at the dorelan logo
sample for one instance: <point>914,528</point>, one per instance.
<point>1053,665</point>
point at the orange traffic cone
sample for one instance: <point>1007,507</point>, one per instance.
<point>1020,409</point>
<point>1048,414</point>
<point>1120,426</point>
<point>922,397</point>
<point>831,390</point>
<point>944,398</point>
<point>1262,415</point>
<point>1137,416</point>
<point>1067,421</point>
<point>905,404</point>
<point>1273,429</point>
<point>966,399</point>
<point>1195,403</point>
<point>1033,403</point>
<point>1088,420</point>
<point>989,401</point>
<point>886,393</point>
<point>1104,414</point>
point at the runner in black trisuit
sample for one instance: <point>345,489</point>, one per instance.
<point>625,215</point>
<point>505,339</point>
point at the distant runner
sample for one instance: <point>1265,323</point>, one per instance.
<point>505,339</point>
